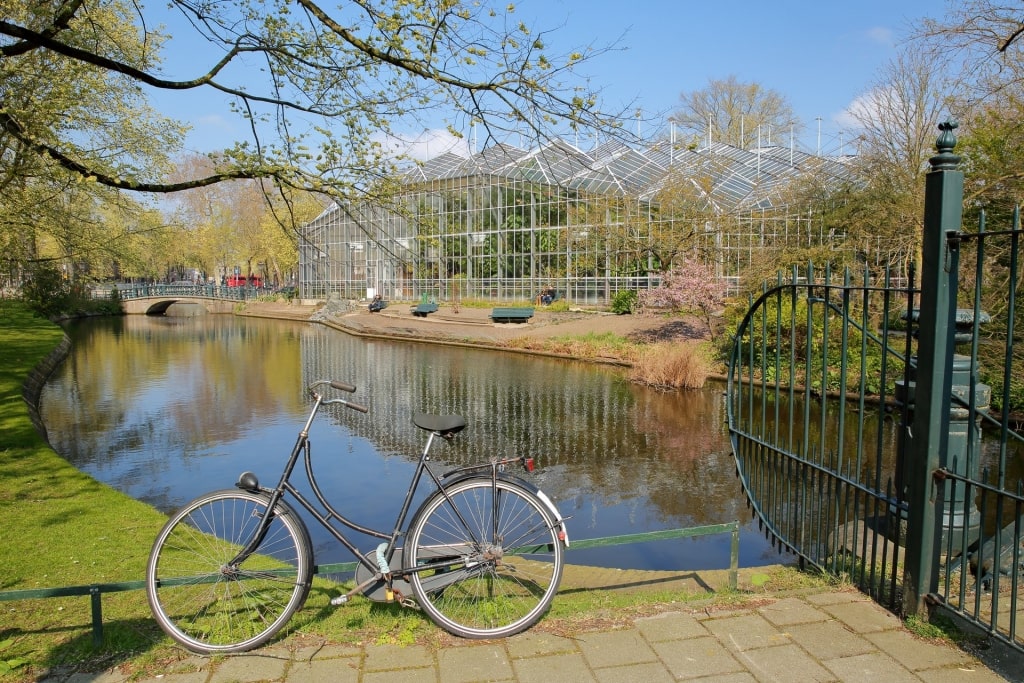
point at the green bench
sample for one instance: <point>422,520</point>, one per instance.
<point>511,315</point>
<point>421,310</point>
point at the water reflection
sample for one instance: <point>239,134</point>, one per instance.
<point>165,409</point>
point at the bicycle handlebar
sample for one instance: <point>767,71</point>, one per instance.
<point>340,386</point>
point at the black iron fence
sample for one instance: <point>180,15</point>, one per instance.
<point>873,421</point>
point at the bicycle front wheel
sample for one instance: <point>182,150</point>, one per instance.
<point>212,606</point>
<point>487,557</point>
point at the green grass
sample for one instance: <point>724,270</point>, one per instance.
<point>63,528</point>
<point>592,345</point>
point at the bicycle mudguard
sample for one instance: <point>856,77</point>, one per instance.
<point>563,534</point>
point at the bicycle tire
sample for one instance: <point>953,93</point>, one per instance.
<point>495,578</point>
<point>210,608</point>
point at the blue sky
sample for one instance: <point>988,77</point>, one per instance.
<point>820,56</point>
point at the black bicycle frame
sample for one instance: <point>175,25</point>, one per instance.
<point>284,485</point>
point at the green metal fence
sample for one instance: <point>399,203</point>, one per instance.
<point>873,420</point>
<point>96,591</point>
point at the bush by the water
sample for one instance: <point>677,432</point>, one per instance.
<point>673,365</point>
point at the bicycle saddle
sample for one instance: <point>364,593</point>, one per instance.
<point>445,425</point>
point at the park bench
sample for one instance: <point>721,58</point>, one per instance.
<point>422,310</point>
<point>511,315</point>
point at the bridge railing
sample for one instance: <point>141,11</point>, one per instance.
<point>202,290</point>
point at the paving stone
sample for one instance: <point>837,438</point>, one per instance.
<point>193,677</point>
<point>965,673</point>
<point>697,658</point>
<point>834,597</point>
<point>635,673</point>
<point>474,663</point>
<point>388,657</point>
<point>418,675</point>
<point>564,668</point>
<point>248,669</point>
<point>829,640</point>
<point>793,611</point>
<point>738,677</point>
<point>917,654</point>
<point>864,616</point>
<point>337,670</point>
<point>189,677</point>
<point>670,626</point>
<point>784,663</point>
<point>532,644</point>
<point>746,632</point>
<point>104,677</point>
<point>869,668</point>
<point>315,652</point>
<point>615,648</point>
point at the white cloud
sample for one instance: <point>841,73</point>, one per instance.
<point>426,145</point>
<point>863,108</point>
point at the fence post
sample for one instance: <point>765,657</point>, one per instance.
<point>929,435</point>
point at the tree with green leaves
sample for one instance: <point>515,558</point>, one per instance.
<point>51,210</point>
<point>335,85</point>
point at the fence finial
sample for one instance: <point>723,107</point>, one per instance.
<point>945,160</point>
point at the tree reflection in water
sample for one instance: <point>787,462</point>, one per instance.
<point>165,409</point>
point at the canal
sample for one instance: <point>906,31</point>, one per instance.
<point>165,409</point>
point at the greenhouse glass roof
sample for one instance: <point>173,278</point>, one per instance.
<point>739,178</point>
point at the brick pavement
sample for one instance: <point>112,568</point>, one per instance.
<point>835,635</point>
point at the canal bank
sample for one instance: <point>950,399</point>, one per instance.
<point>473,326</point>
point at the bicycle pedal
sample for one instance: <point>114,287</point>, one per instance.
<point>340,600</point>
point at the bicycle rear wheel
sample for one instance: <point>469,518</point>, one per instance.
<point>210,606</point>
<point>492,554</point>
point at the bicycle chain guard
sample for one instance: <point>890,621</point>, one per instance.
<point>378,590</point>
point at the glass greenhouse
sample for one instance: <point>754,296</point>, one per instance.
<point>507,223</point>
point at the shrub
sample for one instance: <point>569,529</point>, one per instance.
<point>45,291</point>
<point>625,302</point>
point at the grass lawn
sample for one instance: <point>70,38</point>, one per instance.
<point>62,528</point>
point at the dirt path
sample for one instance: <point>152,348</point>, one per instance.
<point>474,324</point>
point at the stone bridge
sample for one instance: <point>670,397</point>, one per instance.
<point>185,306</point>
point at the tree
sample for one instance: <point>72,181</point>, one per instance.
<point>898,121</point>
<point>333,86</point>
<point>50,210</point>
<point>688,286</point>
<point>738,114</point>
<point>992,148</point>
<point>237,224</point>
<point>984,38</point>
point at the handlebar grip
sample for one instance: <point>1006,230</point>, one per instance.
<point>342,386</point>
<point>356,406</point>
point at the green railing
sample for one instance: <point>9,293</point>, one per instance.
<point>875,419</point>
<point>147,291</point>
<point>95,591</point>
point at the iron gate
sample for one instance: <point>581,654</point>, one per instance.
<point>872,419</point>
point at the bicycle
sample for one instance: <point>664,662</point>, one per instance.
<point>482,556</point>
